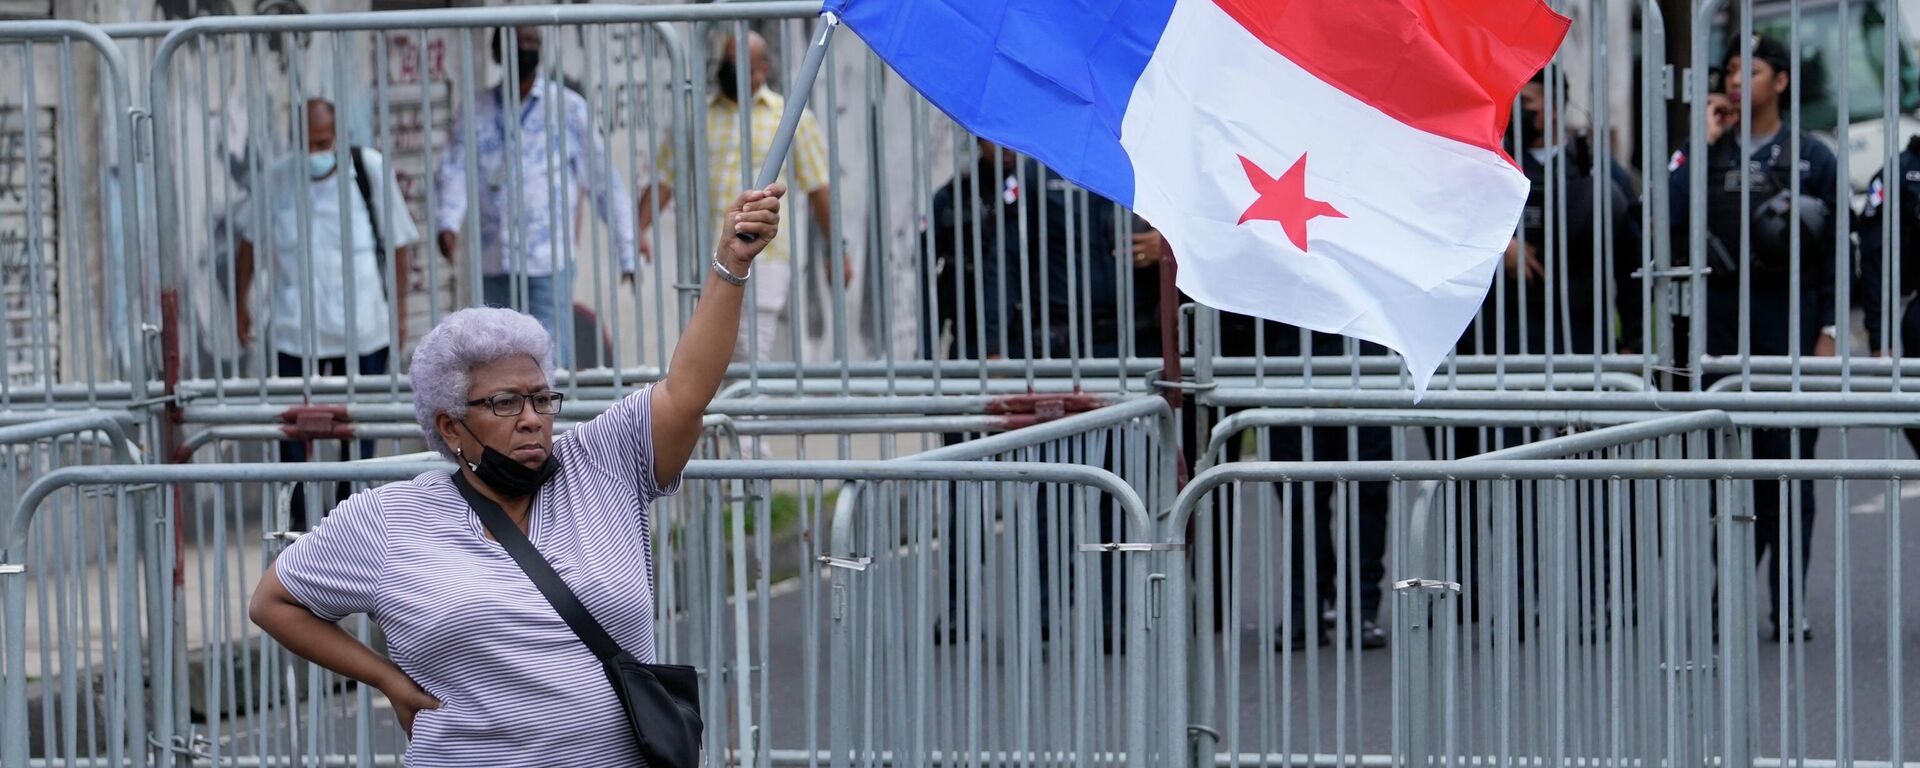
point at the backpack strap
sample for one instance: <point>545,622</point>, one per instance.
<point>365,184</point>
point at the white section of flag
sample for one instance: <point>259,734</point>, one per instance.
<point>1427,217</point>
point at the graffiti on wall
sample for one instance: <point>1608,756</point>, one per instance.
<point>29,245</point>
<point>176,10</point>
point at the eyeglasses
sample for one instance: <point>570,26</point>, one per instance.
<point>512,403</point>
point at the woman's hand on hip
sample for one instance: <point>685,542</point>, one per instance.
<point>755,212</point>
<point>408,699</point>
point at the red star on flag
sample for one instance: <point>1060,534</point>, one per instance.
<point>1285,200</point>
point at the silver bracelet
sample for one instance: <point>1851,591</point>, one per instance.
<point>740,280</point>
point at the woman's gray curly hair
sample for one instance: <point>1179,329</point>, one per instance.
<point>443,364</point>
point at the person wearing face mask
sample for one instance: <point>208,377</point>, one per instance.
<point>1569,314</point>
<point>535,143</point>
<point>725,165</point>
<point>330,271</point>
<point>483,670</point>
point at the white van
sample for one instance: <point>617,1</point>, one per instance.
<point>1818,88</point>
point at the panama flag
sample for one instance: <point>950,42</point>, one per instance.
<point>1332,164</point>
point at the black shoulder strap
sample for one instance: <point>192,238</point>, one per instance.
<point>536,567</point>
<point>361,180</point>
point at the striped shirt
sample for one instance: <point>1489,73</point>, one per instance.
<point>461,618</point>
<point>808,160</point>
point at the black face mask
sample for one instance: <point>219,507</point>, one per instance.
<point>529,60</point>
<point>727,78</point>
<point>507,477</point>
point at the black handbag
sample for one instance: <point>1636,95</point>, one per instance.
<point>661,701</point>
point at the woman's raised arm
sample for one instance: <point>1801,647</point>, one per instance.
<point>706,345</point>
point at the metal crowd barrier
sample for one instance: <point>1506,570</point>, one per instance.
<point>1588,639</point>
<point>83,648</point>
<point>68,280</point>
<point>1568,610</point>
<point>797,660</point>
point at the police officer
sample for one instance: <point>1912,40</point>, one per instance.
<point>1876,264</point>
<point>1553,296</point>
<point>1558,231</point>
<point>1078,262</point>
<point>1768,211</point>
<point>1021,261</point>
<point>1316,596</point>
<point>964,245</point>
<point>1047,267</point>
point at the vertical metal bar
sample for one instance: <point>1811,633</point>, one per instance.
<point>76,258</point>
<point>560,180</point>
<point>1892,184</point>
<point>686,124</point>
<point>742,629</point>
<point>1030,310</point>
<point>607,180</point>
<point>1657,243</point>
<point>1745,254</point>
<point>1603,213</point>
<point>1555,242</point>
<point>694,169</point>
<point>926,294</point>
<point>642,101</point>
<point>429,256</point>
<point>389,206</point>
<point>517,240</point>
<point>472,240</point>
<point>876,262</point>
<point>837,286</point>
<point>967,155</point>
<point>36,240</point>
<point>1896,607</point>
<point>14,746</point>
<point>299,186</point>
<point>123,273</point>
<point>1697,199</point>
<point>258,185</point>
<point>1842,320</point>
<point>1795,276</point>
<point>349,249</point>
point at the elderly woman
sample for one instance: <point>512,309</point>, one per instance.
<point>483,670</point>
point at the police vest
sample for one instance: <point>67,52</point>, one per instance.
<point>1768,207</point>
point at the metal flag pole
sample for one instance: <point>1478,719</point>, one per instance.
<point>797,94</point>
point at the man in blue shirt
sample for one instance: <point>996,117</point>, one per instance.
<point>530,175</point>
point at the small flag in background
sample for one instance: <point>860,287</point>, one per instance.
<point>1331,165</point>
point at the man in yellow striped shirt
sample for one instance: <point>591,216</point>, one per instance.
<point>728,173</point>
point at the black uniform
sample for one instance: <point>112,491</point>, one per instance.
<point>1071,276</point>
<point>1075,259</point>
<point>1059,286</point>
<point>1368,528</point>
<point>1769,327</point>
<point>1876,264</point>
<point>962,244</point>
<point>1577,270</point>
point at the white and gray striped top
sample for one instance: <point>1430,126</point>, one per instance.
<point>464,622</point>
